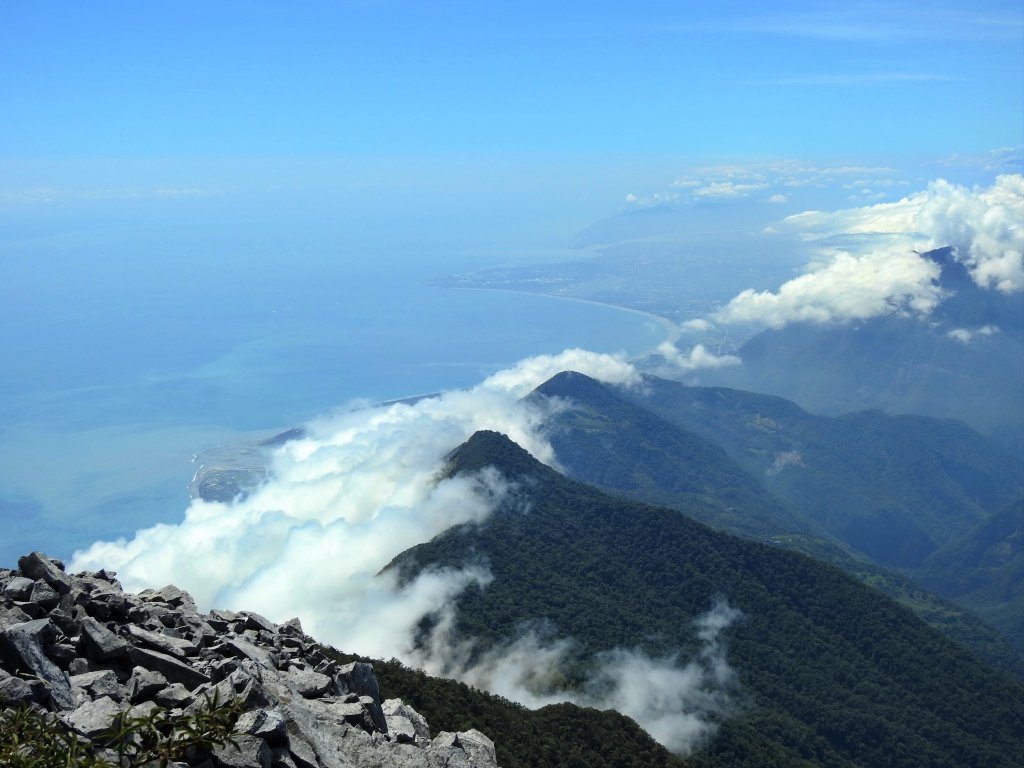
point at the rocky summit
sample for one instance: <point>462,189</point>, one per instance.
<point>78,647</point>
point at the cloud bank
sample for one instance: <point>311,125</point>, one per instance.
<point>679,703</point>
<point>869,261</point>
<point>365,485</point>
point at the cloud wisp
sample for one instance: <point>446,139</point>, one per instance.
<point>680,703</point>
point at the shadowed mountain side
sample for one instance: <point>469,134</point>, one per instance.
<point>985,570</point>
<point>965,361</point>
<point>608,441</point>
<point>830,671</point>
<point>896,488</point>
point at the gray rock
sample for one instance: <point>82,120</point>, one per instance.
<point>174,696</point>
<point>478,747</point>
<point>100,683</point>
<point>238,647</point>
<point>144,684</point>
<point>358,678</point>
<point>401,729</point>
<point>24,646</point>
<point>174,670</point>
<point>393,707</point>
<point>62,654</point>
<point>281,757</point>
<point>268,725</point>
<point>15,692</point>
<point>99,643</point>
<point>302,753</point>
<point>45,595</point>
<point>308,683</point>
<point>19,588</point>
<point>107,605</point>
<point>257,622</point>
<point>251,752</point>
<point>12,615</point>
<point>158,641</point>
<point>94,717</point>
<point>38,566</point>
<point>143,709</point>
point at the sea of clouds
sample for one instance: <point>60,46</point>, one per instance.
<point>365,484</point>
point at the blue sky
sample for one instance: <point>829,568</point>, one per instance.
<point>702,80</point>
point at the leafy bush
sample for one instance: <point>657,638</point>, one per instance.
<point>31,739</point>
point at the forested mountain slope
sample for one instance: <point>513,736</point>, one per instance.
<point>896,488</point>
<point>829,671</point>
<point>604,437</point>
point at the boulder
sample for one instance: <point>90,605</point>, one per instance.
<point>174,696</point>
<point>19,588</point>
<point>174,670</point>
<point>302,709</point>
<point>24,647</point>
<point>144,684</point>
<point>247,752</point>
<point>94,718</point>
<point>38,566</point>
<point>398,708</point>
<point>267,724</point>
<point>158,641</point>
<point>15,692</point>
<point>98,643</point>
<point>309,684</point>
<point>100,683</point>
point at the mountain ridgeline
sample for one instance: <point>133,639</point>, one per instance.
<point>829,671</point>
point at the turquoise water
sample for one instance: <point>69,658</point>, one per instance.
<point>116,381</point>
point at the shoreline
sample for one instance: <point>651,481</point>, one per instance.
<point>672,331</point>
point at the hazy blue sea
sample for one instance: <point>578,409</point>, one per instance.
<point>116,376</point>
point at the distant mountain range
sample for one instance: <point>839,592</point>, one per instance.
<point>964,361</point>
<point>859,491</point>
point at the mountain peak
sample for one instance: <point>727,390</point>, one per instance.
<point>487,448</point>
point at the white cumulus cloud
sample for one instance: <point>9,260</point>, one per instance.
<point>698,357</point>
<point>869,260</point>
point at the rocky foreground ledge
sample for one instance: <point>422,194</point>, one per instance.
<point>78,646</point>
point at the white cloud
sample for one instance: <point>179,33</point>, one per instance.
<point>869,257</point>
<point>850,288</point>
<point>728,189</point>
<point>679,703</point>
<point>698,357</point>
<point>527,374</point>
<point>778,198</point>
<point>697,324</point>
<point>966,335</point>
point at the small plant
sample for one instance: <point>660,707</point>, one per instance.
<point>29,739</point>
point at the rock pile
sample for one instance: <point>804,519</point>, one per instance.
<point>79,646</point>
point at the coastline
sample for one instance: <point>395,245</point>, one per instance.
<point>672,331</point>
